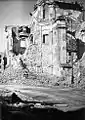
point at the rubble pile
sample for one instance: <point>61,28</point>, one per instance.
<point>10,75</point>
<point>21,76</point>
<point>25,77</point>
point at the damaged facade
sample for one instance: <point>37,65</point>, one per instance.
<point>55,28</point>
<point>53,46</point>
<point>16,43</point>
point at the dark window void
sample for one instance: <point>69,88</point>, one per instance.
<point>24,29</point>
<point>31,38</point>
<point>45,12</point>
<point>14,31</point>
<point>45,38</point>
<point>5,62</point>
<point>0,58</point>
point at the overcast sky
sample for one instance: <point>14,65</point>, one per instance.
<point>14,12</point>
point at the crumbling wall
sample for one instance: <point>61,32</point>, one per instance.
<point>54,53</point>
<point>33,58</point>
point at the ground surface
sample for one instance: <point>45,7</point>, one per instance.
<point>41,89</point>
<point>61,98</point>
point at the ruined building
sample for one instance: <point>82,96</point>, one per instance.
<point>55,45</point>
<point>16,42</point>
<point>55,28</point>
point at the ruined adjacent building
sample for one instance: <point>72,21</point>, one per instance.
<point>16,42</point>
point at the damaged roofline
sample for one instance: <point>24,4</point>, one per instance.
<point>62,5</point>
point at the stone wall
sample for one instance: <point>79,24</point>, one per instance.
<point>55,59</point>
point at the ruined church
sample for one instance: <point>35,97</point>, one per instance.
<point>56,27</point>
<point>56,41</point>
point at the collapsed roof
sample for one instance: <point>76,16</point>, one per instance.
<point>60,4</point>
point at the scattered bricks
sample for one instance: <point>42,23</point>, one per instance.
<point>26,77</point>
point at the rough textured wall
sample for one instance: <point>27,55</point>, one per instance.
<point>61,37</point>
